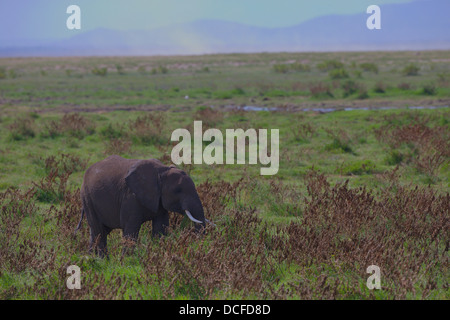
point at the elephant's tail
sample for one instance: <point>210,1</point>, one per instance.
<point>81,219</point>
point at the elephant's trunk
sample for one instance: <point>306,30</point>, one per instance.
<point>195,213</point>
<point>195,220</point>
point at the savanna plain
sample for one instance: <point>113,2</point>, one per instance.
<point>365,184</point>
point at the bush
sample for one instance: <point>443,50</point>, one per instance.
<point>238,91</point>
<point>302,131</point>
<point>337,144</point>
<point>369,67</point>
<point>66,163</point>
<point>120,69</point>
<point>429,148</point>
<point>329,65</point>
<point>22,129</point>
<point>362,93</point>
<point>296,67</point>
<point>73,124</point>
<point>117,146</point>
<point>404,86</point>
<point>209,116</point>
<point>394,157</point>
<point>159,69</point>
<point>163,69</point>
<point>148,128</point>
<point>429,90</point>
<point>379,87</point>
<point>299,67</point>
<point>76,125</point>
<point>111,132</point>
<point>320,91</point>
<point>341,141</point>
<point>338,74</point>
<point>281,68</point>
<point>350,87</point>
<point>53,187</point>
<point>411,70</point>
<point>100,71</point>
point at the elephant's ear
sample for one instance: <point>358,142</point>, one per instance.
<point>143,180</point>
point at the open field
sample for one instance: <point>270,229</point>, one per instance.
<point>354,188</point>
<point>289,79</point>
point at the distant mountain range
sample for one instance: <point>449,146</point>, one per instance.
<point>419,25</point>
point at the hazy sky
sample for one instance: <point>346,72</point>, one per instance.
<point>46,19</point>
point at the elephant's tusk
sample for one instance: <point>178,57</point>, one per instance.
<point>191,217</point>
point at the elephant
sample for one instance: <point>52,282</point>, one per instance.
<point>119,193</point>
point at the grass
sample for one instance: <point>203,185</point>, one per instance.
<point>354,188</point>
<point>43,83</point>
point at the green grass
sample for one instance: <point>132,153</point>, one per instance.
<point>113,117</point>
<point>232,79</point>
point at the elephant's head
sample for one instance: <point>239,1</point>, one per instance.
<point>155,185</point>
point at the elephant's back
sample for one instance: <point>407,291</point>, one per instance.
<point>108,173</point>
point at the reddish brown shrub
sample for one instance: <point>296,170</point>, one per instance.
<point>148,128</point>
<point>320,90</point>
<point>430,146</point>
<point>72,124</point>
<point>117,146</point>
<point>53,187</point>
<point>209,116</point>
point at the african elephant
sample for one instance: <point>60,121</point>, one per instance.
<point>124,193</point>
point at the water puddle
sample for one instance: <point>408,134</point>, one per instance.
<point>255,108</point>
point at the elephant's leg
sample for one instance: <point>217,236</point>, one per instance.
<point>160,224</point>
<point>98,234</point>
<point>131,233</point>
<point>98,241</point>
